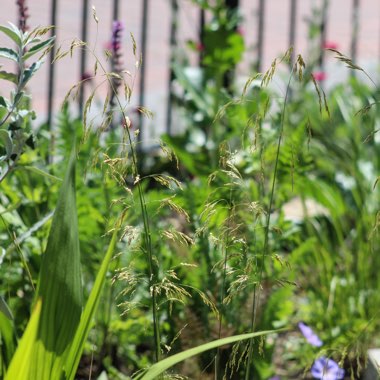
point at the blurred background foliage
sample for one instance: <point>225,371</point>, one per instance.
<point>232,255</point>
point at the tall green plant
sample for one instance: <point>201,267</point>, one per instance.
<point>54,339</point>
<point>15,131</point>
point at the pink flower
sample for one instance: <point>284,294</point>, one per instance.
<point>199,46</point>
<point>23,15</point>
<point>108,46</point>
<point>240,30</point>
<point>87,76</point>
<point>319,76</point>
<point>330,45</point>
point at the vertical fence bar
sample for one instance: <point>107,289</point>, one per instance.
<point>173,44</point>
<point>323,33</point>
<point>144,29</point>
<point>292,29</point>
<point>51,77</point>
<point>202,21</point>
<point>83,53</point>
<point>53,21</point>
<point>355,31</point>
<point>115,17</point>
<point>260,34</point>
<point>232,6</point>
<point>115,10</point>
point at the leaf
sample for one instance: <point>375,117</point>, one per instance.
<point>9,76</point>
<point>188,81</point>
<point>38,171</point>
<point>38,47</point>
<point>163,365</point>
<point>4,308</point>
<point>8,343</point>
<point>16,37</point>
<point>59,286</point>
<point>84,327</point>
<point>19,368</point>
<point>7,141</point>
<point>3,103</point>
<point>27,234</point>
<point>9,54</point>
<point>28,73</point>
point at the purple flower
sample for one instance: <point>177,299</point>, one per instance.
<point>117,28</point>
<point>23,15</point>
<point>310,335</point>
<point>326,369</point>
<point>116,62</point>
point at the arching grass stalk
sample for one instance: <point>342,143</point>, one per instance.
<point>223,289</point>
<point>265,252</point>
<point>147,241</point>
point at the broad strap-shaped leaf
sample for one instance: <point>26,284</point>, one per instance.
<point>77,347</point>
<point>59,286</point>
<point>23,357</point>
<point>162,366</point>
<point>8,343</point>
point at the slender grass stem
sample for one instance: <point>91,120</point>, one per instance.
<point>223,288</point>
<point>153,273</point>
<point>257,287</point>
<point>22,257</point>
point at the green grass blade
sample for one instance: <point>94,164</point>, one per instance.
<point>4,308</point>
<point>7,343</point>
<point>19,368</point>
<point>88,313</point>
<point>59,286</point>
<point>160,367</point>
<point>38,171</point>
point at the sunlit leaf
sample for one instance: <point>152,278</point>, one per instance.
<point>19,368</point>
<point>59,286</point>
<point>88,313</point>
<point>9,54</point>
<point>163,365</point>
<point>13,33</point>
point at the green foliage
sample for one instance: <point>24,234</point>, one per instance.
<point>263,213</point>
<point>15,132</point>
<point>164,365</point>
<point>54,339</point>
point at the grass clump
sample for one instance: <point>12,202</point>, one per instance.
<point>250,240</point>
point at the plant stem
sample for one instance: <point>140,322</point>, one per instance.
<point>257,287</point>
<point>223,289</point>
<point>153,272</point>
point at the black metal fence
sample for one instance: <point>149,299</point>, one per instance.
<point>259,18</point>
